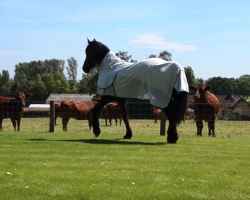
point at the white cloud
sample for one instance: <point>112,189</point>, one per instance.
<point>156,42</point>
<point>120,29</point>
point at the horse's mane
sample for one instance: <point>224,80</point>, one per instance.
<point>100,49</point>
<point>98,45</point>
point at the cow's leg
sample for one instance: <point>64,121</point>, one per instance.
<point>155,120</point>
<point>106,122</point>
<point>116,121</point>
<point>110,121</point>
<point>18,124</point>
<point>90,124</point>
<point>65,123</point>
<point>13,123</point>
<point>199,125</point>
<point>55,121</point>
<point>124,113</point>
<point>1,126</point>
<point>211,127</point>
<point>96,112</point>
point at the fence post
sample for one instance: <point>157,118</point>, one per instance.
<point>163,123</point>
<point>52,116</point>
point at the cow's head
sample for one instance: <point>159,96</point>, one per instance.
<point>200,90</point>
<point>21,97</point>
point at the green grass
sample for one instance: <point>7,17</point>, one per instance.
<point>36,164</point>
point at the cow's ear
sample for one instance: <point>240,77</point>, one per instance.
<point>207,87</point>
<point>191,87</point>
<point>27,95</point>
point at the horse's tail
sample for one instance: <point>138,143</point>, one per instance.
<point>176,108</point>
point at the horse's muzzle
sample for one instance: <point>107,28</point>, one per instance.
<point>86,67</point>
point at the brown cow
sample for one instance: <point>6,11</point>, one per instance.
<point>157,114</point>
<point>111,111</point>
<point>206,107</point>
<point>12,108</point>
<point>57,111</point>
<point>76,109</point>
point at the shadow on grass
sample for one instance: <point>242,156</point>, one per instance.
<point>102,141</point>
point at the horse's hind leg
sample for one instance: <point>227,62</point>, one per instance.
<point>125,118</point>
<point>172,130</point>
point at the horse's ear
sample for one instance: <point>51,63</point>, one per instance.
<point>88,40</point>
<point>94,40</point>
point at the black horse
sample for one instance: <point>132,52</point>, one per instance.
<point>175,109</point>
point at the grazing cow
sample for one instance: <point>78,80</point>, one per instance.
<point>76,109</point>
<point>111,111</point>
<point>12,108</point>
<point>157,114</point>
<point>206,107</point>
<point>57,111</point>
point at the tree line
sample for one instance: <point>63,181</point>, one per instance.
<point>41,78</point>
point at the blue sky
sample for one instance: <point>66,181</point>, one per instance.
<point>211,36</point>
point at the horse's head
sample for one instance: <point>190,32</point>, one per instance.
<point>95,52</point>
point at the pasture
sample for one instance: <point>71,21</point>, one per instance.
<point>36,164</point>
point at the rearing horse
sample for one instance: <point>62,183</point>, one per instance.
<point>163,82</point>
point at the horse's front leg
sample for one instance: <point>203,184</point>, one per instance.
<point>124,113</point>
<point>96,113</point>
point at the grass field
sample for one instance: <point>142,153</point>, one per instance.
<point>36,164</point>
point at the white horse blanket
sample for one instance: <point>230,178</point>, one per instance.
<point>151,79</point>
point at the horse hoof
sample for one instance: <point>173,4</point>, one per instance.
<point>171,142</point>
<point>127,137</point>
<point>97,132</point>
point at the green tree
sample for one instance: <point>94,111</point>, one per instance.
<point>243,87</point>
<point>72,74</point>
<point>53,65</point>
<point>5,83</point>
<point>40,91</point>
<point>72,69</point>
<point>92,84</point>
<point>83,85</point>
<point>237,113</point>
<point>165,55</point>
<point>152,56</point>
<point>20,83</point>
<point>61,84</point>
<point>124,56</point>
<point>222,86</point>
<point>190,76</point>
